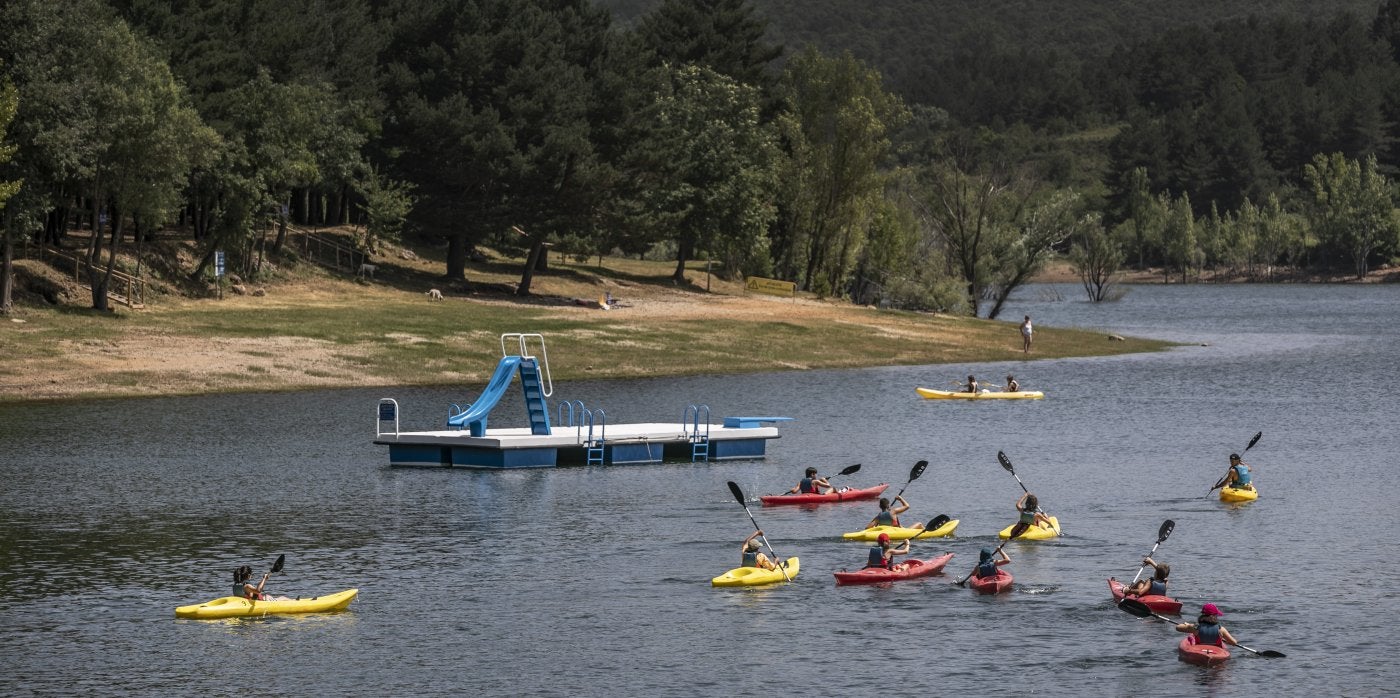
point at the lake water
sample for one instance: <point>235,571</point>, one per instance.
<point>595,580</point>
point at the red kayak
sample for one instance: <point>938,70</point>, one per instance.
<point>909,569</point>
<point>991,585</point>
<point>837,496</point>
<point>1205,655</point>
<point>1156,602</point>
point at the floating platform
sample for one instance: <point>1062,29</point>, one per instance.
<point>583,436</point>
<point>625,444</point>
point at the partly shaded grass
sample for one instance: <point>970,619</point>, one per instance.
<point>382,334</point>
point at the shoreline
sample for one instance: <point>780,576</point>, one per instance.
<point>306,328</point>
<point>331,333</point>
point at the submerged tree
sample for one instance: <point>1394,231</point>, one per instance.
<point>1096,257</point>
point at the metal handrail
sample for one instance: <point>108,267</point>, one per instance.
<point>522,339</point>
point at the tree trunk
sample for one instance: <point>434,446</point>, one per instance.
<point>682,250</point>
<point>281,228</point>
<point>456,256</point>
<point>7,269</point>
<point>536,249</point>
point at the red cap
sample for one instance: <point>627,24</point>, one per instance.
<point>1210,610</point>
<point>884,538</point>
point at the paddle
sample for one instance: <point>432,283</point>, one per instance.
<point>914,474</point>
<point>276,567</point>
<point>1162,533</point>
<point>848,470</point>
<point>739,495</point>
<point>1141,610</point>
<point>1006,463</point>
<point>1226,476</point>
<point>1016,530</point>
<point>933,525</point>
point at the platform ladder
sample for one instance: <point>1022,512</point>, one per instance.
<point>690,424</point>
<point>595,448</point>
<point>536,383</point>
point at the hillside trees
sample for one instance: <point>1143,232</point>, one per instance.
<point>101,117</point>
<point>712,170</point>
<point>836,128</point>
<point>1352,208</point>
<point>495,112</point>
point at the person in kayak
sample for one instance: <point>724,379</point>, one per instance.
<point>811,484</point>
<point>244,589</point>
<point>889,516</point>
<point>1239,476</point>
<point>987,563</point>
<point>1031,515</point>
<point>970,386</point>
<point>1011,385</point>
<point>1207,629</point>
<point>752,556</point>
<point>882,555</point>
<point>1156,585</point>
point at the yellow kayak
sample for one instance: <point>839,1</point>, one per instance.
<point>1230,494</point>
<point>754,576</point>
<point>931,394</point>
<point>1040,532</point>
<point>901,533</point>
<point>237,606</point>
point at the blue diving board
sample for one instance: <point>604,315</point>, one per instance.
<point>752,422</point>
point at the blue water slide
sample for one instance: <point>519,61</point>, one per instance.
<point>474,418</point>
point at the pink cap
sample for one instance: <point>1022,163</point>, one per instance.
<point>883,538</point>
<point>1210,610</point>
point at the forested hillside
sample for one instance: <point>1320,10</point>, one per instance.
<point>920,155</point>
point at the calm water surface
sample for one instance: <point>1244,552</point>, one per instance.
<point>595,581</point>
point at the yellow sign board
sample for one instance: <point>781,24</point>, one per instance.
<point>773,287</point>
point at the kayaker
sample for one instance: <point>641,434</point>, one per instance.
<point>1156,585</point>
<point>752,556</point>
<point>1207,629</point>
<point>1029,507</point>
<point>242,588</point>
<point>811,484</point>
<point>882,555</point>
<point>889,516</point>
<point>971,385</point>
<point>987,563</point>
<point>1238,477</point>
<point>1011,385</point>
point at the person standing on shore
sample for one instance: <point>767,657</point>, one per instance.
<point>1026,331</point>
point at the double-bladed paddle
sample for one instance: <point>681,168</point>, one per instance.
<point>1141,610</point>
<point>1006,463</point>
<point>1016,530</point>
<point>848,470</point>
<point>739,495</point>
<point>1162,533</point>
<point>914,474</point>
<point>276,567</point>
<point>1226,476</point>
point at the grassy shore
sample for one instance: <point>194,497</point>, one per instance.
<point>314,329</point>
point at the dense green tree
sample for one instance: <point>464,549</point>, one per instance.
<point>1353,208</point>
<point>712,177</point>
<point>495,109</point>
<point>836,129</point>
<point>1179,244</point>
<point>726,36</point>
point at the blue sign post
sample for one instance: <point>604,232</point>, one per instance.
<point>218,262</point>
